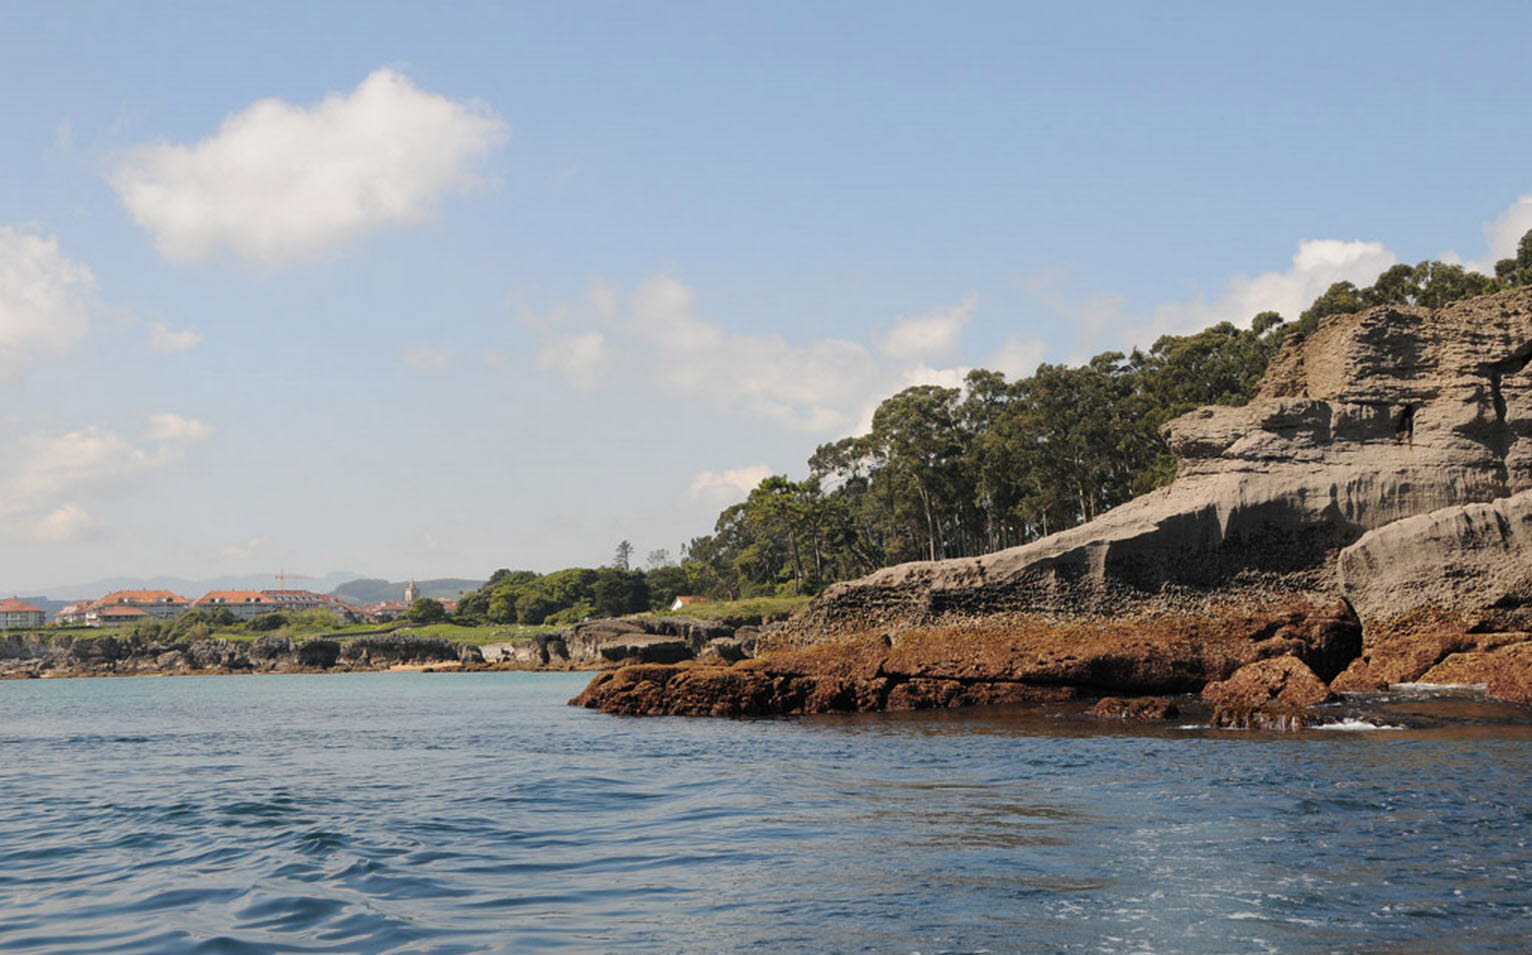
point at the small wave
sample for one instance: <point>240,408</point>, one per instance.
<point>1439,687</point>
<point>1354,725</point>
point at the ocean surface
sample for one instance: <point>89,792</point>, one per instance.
<point>419,812</point>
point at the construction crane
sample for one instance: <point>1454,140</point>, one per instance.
<point>283,575</point>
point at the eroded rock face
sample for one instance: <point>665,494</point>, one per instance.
<point>1467,556</point>
<point>1374,418</point>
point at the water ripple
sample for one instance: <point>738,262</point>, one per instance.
<point>476,813</point>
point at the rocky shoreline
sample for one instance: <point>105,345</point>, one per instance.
<point>593,645</point>
<point>1364,522</point>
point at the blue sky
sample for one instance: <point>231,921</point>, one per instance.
<point>433,289</point>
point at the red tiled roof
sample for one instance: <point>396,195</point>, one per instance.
<point>221,597</point>
<point>17,605</point>
<point>130,597</point>
<point>122,612</point>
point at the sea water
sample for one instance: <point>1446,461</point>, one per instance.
<point>421,812</point>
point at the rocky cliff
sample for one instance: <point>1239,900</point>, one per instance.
<point>1375,418</point>
<point>1386,461</point>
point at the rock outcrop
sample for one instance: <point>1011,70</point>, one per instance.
<point>1269,693</point>
<point>1386,460</point>
<point>106,654</point>
<point>995,660</point>
<point>1374,418</point>
<point>601,644</point>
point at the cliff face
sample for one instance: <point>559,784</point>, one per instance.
<point>1375,419</point>
<point>1365,521</point>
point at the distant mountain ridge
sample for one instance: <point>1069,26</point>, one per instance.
<point>190,588</point>
<point>371,590</point>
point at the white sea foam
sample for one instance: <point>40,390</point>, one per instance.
<point>1437,687</point>
<point>1353,725</point>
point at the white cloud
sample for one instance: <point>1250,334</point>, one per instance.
<point>242,550</point>
<point>1105,321</point>
<point>801,387</point>
<point>934,334</point>
<point>65,524</point>
<point>428,359</point>
<point>582,359</point>
<point>173,431</point>
<point>1503,233</point>
<point>727,487</point>
<point>1018,357</point>
<point>40,485</point>
<point>941,377</point>
<point>162,338</point>
<point>820,386</point>
<point>45,300</point>
<point>1318,264</point>
<point>279,182</point>
<point>664,313</point>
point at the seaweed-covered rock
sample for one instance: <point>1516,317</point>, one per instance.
<point>1141,709</point>
<point>1267,694</point>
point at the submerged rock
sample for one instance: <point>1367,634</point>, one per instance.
<point>1141,709</point>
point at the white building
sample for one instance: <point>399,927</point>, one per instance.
<point>16,612</point>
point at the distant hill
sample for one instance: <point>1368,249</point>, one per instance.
<point>371,590</point>
<point>191,589</point>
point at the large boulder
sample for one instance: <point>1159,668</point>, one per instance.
<point>639,639</point>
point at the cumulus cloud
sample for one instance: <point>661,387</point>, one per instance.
<point>1018,357</point>
<point>819,386</point>
<point>1318,264</point>
<point>581,359</point>
<point>804,387</point>
<point>1503,233</point>
<point>279,182</point>
<point>1105,320</point>
<point>41,484</point>
<point>934,334</point>
<point>727,487</point>
<point>45,300</point>
<point>242,550</point>
<point>428,359</point>
<point>173,431</point>
<point>66,523</point>
<point>162,338</point>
